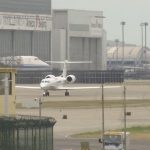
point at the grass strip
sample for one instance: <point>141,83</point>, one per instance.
<point>142,132</point>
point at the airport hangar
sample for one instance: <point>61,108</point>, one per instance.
<point>29,28</point>
<point>33,29</point>
<point>133,56</point>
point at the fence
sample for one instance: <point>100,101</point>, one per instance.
<point>26,133</point>
<point>81,76</point>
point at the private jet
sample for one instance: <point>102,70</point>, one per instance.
<point>53,83</point>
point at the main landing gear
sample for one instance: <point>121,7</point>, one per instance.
<point>66,93</point>
<point>46,93</point>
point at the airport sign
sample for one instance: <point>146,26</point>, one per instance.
<point>22,21</point>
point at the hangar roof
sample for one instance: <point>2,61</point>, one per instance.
<point>130,52</point>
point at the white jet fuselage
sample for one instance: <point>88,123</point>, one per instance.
<point>52,83</point>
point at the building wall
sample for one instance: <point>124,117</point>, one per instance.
<point>85,38</point>
<point>60,19</point>
<point>26,6</point>
<point>132,57</point>
<point>25,42</point>
<point>59,40</point>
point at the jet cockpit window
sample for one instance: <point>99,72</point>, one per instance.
<point>49,76</point>
<point>36,58</point>
<point>45,81</point>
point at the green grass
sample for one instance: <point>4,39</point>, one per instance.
<point>136,130</point>
<point>139,129</point>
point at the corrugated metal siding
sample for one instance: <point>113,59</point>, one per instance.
<point>79,47</point>
<point>77,53</point>
<point>25,42</point>
<point>5,43</point>
<point>22,43</point>
<point>42,45</point>
<point>26,6</point>
<point>19,43</point>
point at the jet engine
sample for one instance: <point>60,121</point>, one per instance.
<point>70,78</point>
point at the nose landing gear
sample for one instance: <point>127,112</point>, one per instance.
<point>46,93</point>
<point>66,93</point>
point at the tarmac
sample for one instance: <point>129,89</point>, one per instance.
<point>87,119</point>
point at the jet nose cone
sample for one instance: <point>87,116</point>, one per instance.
<point>42,85</point>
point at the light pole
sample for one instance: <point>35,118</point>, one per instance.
<point>145,47</point>
<point>125,119</point>
<point>141,44</point>
<point>123,24</point>
<point>40,105</point>
<point>40,114</point>
<point>117,43</point>
<point>103,117</point>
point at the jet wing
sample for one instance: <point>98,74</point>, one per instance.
<point>27,87</point>
<point>69,87</point>
<point>86,87</point>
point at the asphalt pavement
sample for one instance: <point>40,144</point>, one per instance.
<point>88,119</point>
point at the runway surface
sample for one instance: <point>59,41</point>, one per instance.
<point>139,92</point>
<point>83,120</point>
<point>91,118</point>
<point>87,119</point>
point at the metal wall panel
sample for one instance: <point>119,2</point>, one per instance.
<point>80,49</point>
<point>26,6</point>
<point>85,38</point>
<point>25,43</point>
<point>5,43</point>
<point>79,27</point>
<point>93,53</point>
<point>60,19</point>
<point>83,16</point>
<point>22,43</point>
<point>41,45</point>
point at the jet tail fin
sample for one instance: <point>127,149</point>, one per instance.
<point>64,73</point>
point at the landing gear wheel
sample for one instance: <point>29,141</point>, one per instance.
<point>46,93</point>
<point>66,93</point>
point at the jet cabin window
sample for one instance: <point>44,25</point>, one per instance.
<point>2,83</point>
